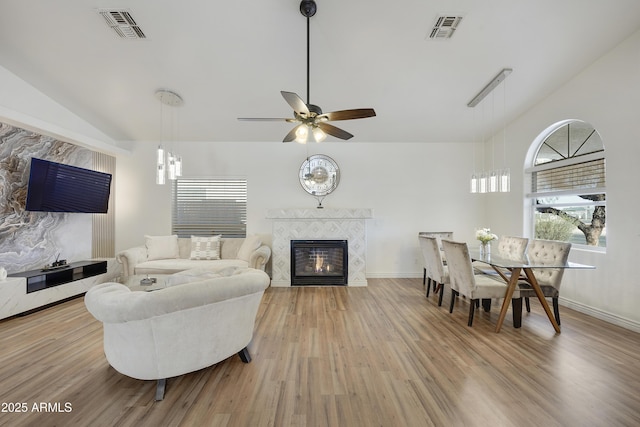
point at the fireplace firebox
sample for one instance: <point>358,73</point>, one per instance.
<point>319,262</point>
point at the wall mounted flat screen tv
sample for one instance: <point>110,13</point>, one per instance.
<point>56,187</point>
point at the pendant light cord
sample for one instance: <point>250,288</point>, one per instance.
<point>308,55</point>
<point>504,124</point>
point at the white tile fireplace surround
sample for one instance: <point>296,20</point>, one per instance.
<point>319,224</point>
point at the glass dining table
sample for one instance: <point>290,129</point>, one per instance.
<point>511,269</point>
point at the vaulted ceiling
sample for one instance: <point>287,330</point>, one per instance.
<point>230,59</point>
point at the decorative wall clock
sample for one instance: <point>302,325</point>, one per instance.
<point>319,176</point>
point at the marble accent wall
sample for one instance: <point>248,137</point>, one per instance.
<point>319,224</point>
<point>29,240</point>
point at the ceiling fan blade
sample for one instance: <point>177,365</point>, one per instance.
<point>358,113</point>
<point>291,136</point>
<point>263,119</point>
<point>334,131</point>
<point>295,102</point>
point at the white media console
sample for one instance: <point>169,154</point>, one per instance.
<point>17,297</point>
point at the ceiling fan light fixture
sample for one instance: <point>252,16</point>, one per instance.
<point>318,134</point>
<point>309,117</point>
<point>302,133</point>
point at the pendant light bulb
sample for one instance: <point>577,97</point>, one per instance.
<point>178,165</point>
<point>160,155</point>
<point>505,181</point>
<point>160,174</point>
<point>474,183</point>
<point>493,182</point>
<point>172,167</point>
<point>482,183</point>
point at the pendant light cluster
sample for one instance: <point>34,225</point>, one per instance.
<point>169,165</point>
<point>491,182</point>
<point>495,180</point>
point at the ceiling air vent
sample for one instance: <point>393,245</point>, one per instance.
<point>444,27</point>
<point>122,23</point>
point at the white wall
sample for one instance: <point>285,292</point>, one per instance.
<point>606,95</point>
<point>411,187</point>
<point>24,106</point>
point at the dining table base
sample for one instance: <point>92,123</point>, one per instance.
<point>511,286</point>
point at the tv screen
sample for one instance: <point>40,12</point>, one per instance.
<point>56,187</point>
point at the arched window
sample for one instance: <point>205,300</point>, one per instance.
<point>567,197</point>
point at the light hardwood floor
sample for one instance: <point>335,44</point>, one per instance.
<point>382,355</point>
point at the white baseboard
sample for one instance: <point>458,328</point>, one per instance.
<point>602,315</point>
<point>412,275</point>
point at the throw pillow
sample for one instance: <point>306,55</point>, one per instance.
<point>250,244</point>
<point>162,247</point>
<point>205,247</point>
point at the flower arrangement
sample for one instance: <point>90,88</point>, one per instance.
<point>485,235</point>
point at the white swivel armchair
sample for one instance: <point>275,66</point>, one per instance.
<point>181,328</point>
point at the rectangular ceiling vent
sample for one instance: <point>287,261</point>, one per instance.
<point>444,27</point>
<point>122,23</point>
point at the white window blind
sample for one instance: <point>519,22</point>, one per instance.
<point>209,206</point>
<point>570,177</point>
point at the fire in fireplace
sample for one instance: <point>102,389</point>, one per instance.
<point>319,262</point>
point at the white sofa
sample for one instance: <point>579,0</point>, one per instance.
<point>170,254</point>
<point>181,328</point>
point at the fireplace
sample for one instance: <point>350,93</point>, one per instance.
<point>319,262</point>
<point>318,224</point>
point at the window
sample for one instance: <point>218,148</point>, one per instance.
<point>568,185</point>
<point>207,206</point>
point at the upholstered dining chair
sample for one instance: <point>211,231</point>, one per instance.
<point>439,235</point>
<point>435,270</point>
<point>475,287</point>
<point>546,252</point>
<point>510,247</point>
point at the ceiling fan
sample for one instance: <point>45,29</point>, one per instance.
<point>309,117</point>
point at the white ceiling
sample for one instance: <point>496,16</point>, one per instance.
<point>230,59</point>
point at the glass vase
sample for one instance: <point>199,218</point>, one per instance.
<point>485,249</point>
